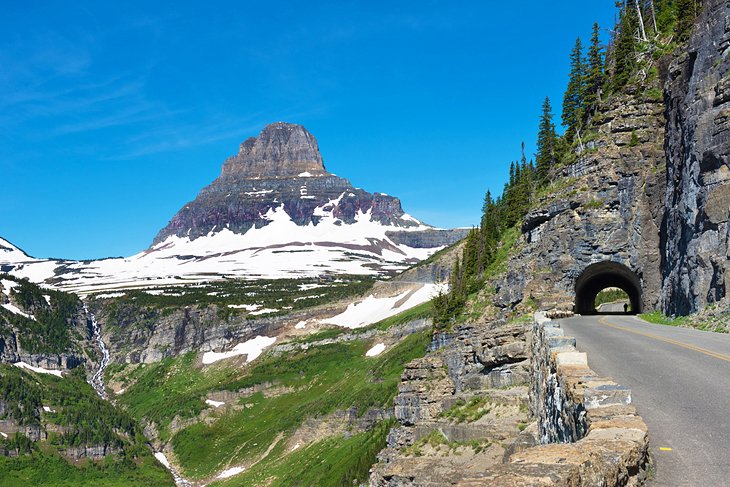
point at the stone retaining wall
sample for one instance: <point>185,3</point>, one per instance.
<point>590,433</point>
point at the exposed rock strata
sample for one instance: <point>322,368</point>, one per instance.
<point>462,366</point>
<point>697,234</point>
<point>608,207</point>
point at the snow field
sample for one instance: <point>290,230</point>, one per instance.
<point>230,472</point>
<point>39,370</point>
<point>376,350</point>
<point>373,309</point>
<point>251,348</point>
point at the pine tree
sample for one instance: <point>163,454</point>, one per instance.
<point>546,142</point>
<point>594,75</point>
<point>624,53</point>
<point>665,15</point>
<point>686,11</point>
<point>574,96</point>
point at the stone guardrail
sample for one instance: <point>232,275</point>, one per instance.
<point>590,434</point>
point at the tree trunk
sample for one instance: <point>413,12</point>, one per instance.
<point>641,22</point>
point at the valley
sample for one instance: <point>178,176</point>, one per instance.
<point>288,328</point>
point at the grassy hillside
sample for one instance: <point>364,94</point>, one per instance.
<point>312,381</point>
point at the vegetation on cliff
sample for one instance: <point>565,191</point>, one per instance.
<point>48,328</point>
<point>67,415</point>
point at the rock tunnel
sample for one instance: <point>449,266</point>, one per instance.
<point>602,275</point>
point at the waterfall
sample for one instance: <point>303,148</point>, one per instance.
<point>97,380</point>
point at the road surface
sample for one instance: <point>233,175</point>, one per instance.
<point>680,382</point>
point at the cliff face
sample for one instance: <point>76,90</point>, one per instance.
<point>607,207</point>
<point>649,194</point>
<point>42,328</point>
<point>696,244</point>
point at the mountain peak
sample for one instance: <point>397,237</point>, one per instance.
<point>280,150</point>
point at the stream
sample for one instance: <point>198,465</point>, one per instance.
<point>97,380</point>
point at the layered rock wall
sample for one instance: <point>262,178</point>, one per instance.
<point>696,245</point>
<point>608,206</point>
<point>590,434</point>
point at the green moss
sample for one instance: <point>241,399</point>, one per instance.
<point>593,204</point>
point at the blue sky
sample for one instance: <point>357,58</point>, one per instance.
<point>115,114</point>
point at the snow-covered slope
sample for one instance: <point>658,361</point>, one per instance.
<point>281,249</point>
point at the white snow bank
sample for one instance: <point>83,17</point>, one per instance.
<point>305,174</point>
<point>215,404</point>
<point>7,285</point>
<point>39,370</point>
<point>300,325</point>
<point>247,307</point>
<point>14,309</point>
<point>230,472</point>
<point>162,459</point>
<point>376,350</point>
<point>264,311</point>
<point>372,309</point>
<point>251,348</point>
<point>109,295</point>
<point>4,434</point>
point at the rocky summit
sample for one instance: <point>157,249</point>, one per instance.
<point>283,168</point>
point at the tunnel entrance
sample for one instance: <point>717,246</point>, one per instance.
<point>603,275</point>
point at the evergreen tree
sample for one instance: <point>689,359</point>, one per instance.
<point>546,142</point>
<point>574,96</point>
<point>665,15</point>
<point>686,11</point>
<point>594,73</point>
<point>624,53</point>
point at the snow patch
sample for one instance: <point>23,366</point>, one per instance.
<point>215,404</point>
<point>3,434</point>
<point>7,285</point>
<point>264,311</point>
<point>15,310</point>
<point>230,472</point>
<point>247,307</point>
<point>251,348</point>
<point>372,309</point>
<point>162,459</point>
<point>305,174</point>
<point>39,370</point>
<point>300,325</point>
<point>376,350</point>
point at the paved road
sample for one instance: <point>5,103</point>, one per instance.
<point>680,381</point>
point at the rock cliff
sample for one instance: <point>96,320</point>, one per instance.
<point>696,243</point>
<point>648,195</point>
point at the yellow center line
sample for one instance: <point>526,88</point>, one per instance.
<point>710,353</point>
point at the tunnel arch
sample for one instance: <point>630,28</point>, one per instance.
<point>602,275</point>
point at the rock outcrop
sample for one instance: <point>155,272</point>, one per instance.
<point>606,207</point>
<point>696,247</point>
<point>459,409</point>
